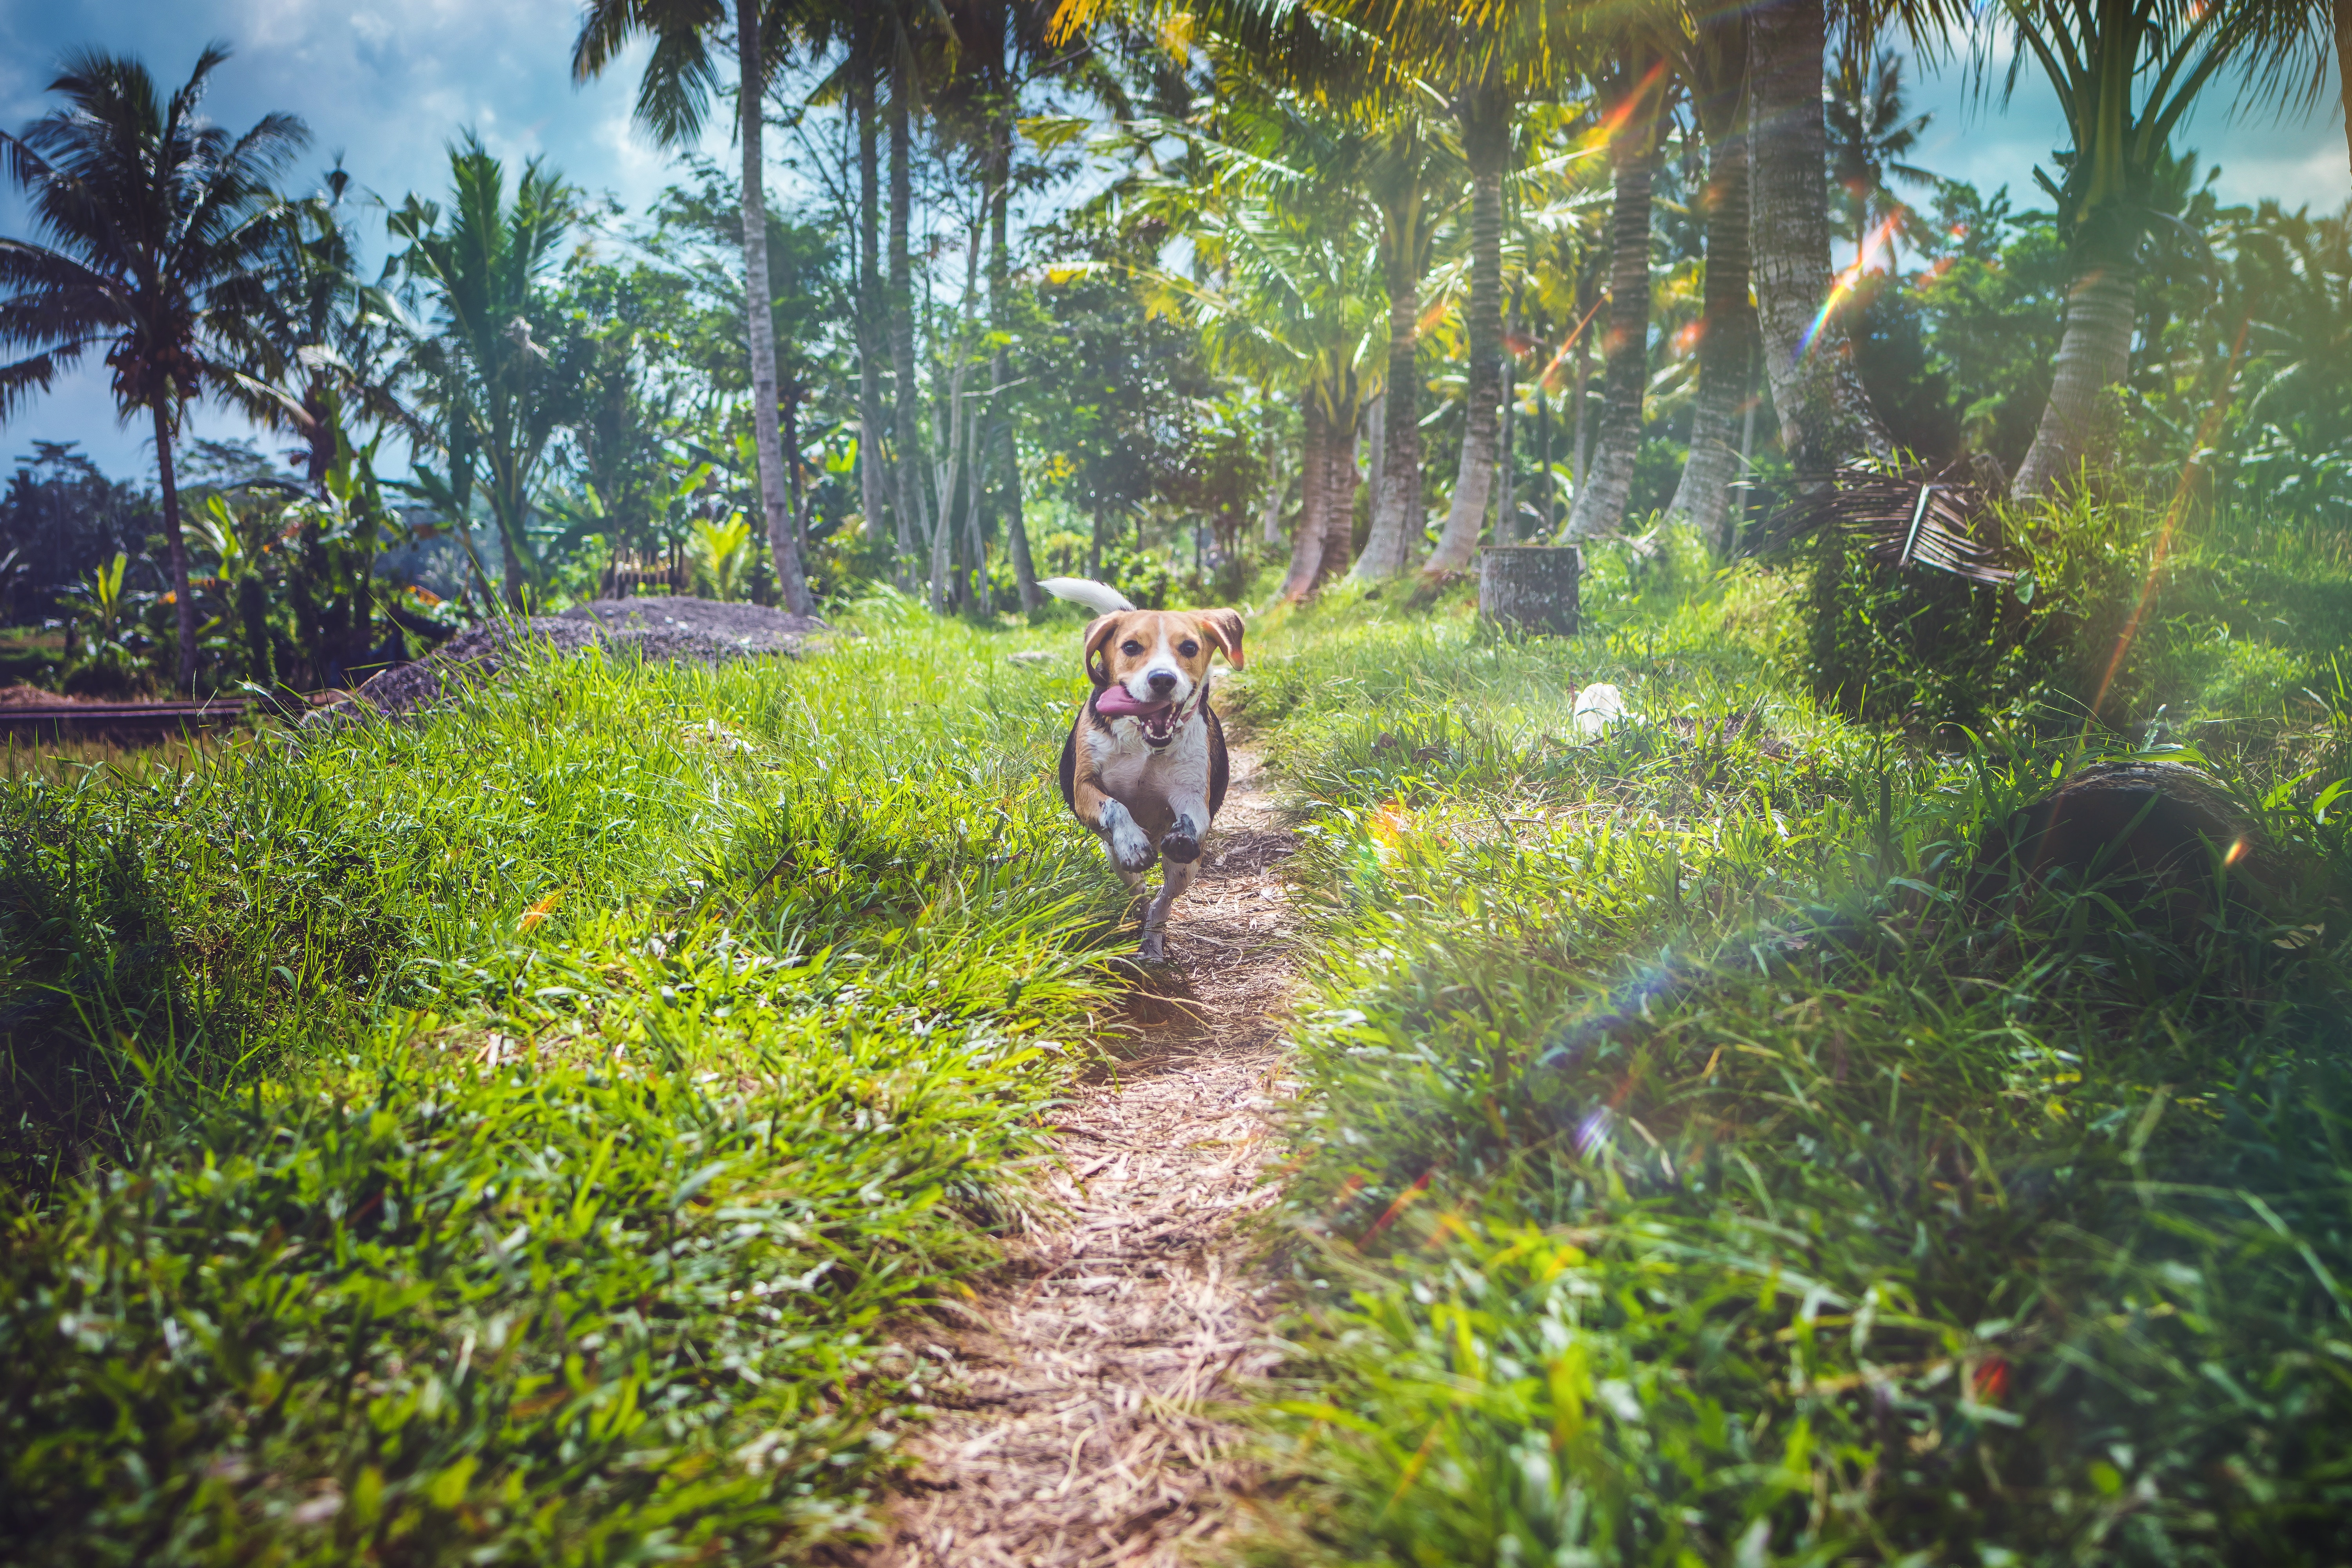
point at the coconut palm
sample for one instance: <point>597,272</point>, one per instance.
<point>1824,416</point>
<point>1632,99</point>
<point>1871,133</point>
<point>1411,171</point>
<point>155,229</point>
<point>1291,299</point>
<point>482,268</point>
<point>2126,71</point>
<point>318,344</point>
<point>672,98</point>
<point>1714,66</point>
<point>1370,56</point>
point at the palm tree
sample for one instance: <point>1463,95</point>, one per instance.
<point>1411,169</point>
<point>484,272</point>
<point>1870,132</point>
<point>1825,415</point>
<point>2126,71</point>
<point>1714,66</point>
<point>157,229</point>
<point>1291,299</point>
<point>672,98</point>
<point>1633,102</point>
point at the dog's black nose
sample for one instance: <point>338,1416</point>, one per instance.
<point>1164,681</point>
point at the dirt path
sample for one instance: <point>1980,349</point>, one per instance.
<point>1079,1431</point>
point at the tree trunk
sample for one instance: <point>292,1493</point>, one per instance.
<point>1726,344</point>
<point>873,482</point>
<point>183,600</point>
<point>1095,544</point>
<point>975,525</point>
<point>789,439</point>
<point>1602,502</point>
<point>1340,488</point>
<point>1506,490</point>
<point>1579,444</point>
<point>2343,20</point>
<point>903,430</point>
<point>2078,422</point>
<point>1276,485</point>
<point>1000,299</point>
<point>1487,146</point>
<point>1544,486</point>
<point>760,321</point>
<point>1314,480</point>
<point>1824,416</point>
<point>1396,503</point>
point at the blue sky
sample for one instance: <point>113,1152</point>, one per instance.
<point>388,82</point>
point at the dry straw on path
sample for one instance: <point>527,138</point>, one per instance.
<point>1088,1373</point>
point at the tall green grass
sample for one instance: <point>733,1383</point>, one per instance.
<point>511,1136</point>
<point>1688,1172</point>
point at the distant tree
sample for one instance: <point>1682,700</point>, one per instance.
<point>155,233</point>
<point>482,267</point>
<point>1872,132</point>
<point>61,518</point>
<point>672,100</point>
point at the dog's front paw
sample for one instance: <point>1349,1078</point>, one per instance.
<point>1131,850</point>
<point>1181,846</point>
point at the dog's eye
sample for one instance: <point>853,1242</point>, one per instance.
<point>1130,647</point>
<point>1188,647</point>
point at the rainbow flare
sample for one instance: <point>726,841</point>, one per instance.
<point>1841,288</point>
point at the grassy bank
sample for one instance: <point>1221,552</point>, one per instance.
<point>1692,1172</point>
<point>505,1137</point>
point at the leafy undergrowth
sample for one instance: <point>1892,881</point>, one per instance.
<point>1695,1168</point>
<point>504,1137</point>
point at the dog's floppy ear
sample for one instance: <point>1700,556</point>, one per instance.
<point>1099,631</point>
<point>1225,629</point>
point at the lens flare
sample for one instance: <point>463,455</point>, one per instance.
<point>1846,282</point>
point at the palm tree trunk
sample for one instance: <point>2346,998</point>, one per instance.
<point>1579,443</point>
<point>2343,20</point>
<point>2078,422</point>
<point>1000,299</point>
<point>1340,488</point>
<point>1487,146</point>
<point>872,474</point>
<point>788,439</point>
<point>1725,351</point>
<point>1396,504</point>
<point>1506,490</point>
<point>183,600</point>
<point>1314,479</point>
<point>760,321</point>
<point>903,429</point>
<point>1601,503</point>
<point>1277,486</point>
<point>1824,415</point>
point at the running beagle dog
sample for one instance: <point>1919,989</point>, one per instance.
<point>1145,763</point>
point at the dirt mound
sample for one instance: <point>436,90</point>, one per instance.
<point>671,629</point>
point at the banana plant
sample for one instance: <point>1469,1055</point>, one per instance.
<point>720,552</point>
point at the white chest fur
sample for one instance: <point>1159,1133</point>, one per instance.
<point>1155,785</point>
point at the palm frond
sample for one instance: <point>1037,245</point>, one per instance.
<point>1943,520</point>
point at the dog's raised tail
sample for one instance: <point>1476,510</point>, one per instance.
<point>1099,598</point>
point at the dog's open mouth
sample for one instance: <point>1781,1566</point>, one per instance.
<point>1158,719</point>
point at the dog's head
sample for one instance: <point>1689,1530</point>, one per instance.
<point>1156,659</point>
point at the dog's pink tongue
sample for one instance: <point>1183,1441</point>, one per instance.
<point>1116,702</point>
